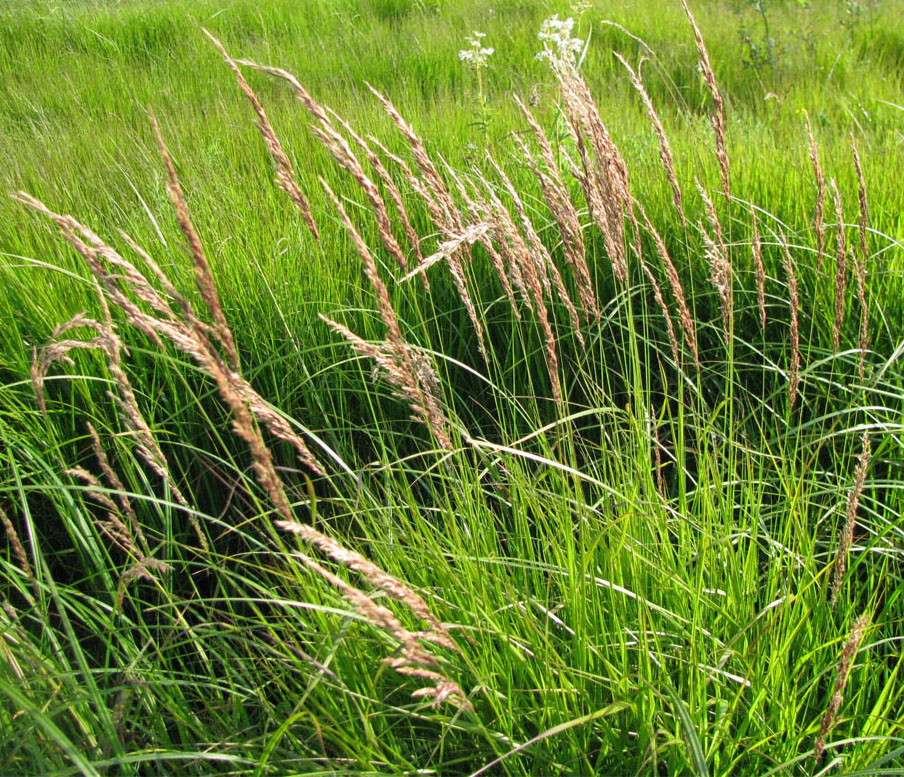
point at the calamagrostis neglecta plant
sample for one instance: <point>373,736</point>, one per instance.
<point>840,267</point>
<point>721,279</point>
<point>848,653</point>
<point>340,150</point>
<point>402,366</point>
<point>819,213</point>
<point>860,263</point>
<point>850,518</point>
<point>759,267</point>
<point>685,318</point>
<point>794,304</point>
<point>285,175</point>
<point>526,277</point>
<point>121,280</point>
<point>564,212</point>
<point>108,341</point>
<point>718,119</point>
<point>604,177</point>
<point>670,327</point>
<point>665,149</point>
<point>540,255</point>
<point>18,550</point>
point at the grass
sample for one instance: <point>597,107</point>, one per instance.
<point>636,578</point>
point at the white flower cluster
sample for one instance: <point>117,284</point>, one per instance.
<point>477,55</point>
<point>558,45</point>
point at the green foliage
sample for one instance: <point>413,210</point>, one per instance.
<point>639,580</point>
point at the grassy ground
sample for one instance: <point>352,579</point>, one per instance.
<point>637,578</point>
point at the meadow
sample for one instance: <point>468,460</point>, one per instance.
<point>370,407</point>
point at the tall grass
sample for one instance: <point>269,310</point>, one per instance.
<point>606,482</point>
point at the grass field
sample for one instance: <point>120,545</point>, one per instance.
<point>613,487</point>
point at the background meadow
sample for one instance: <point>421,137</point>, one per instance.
<point>672,568</point>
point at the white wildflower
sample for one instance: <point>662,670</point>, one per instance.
<point>478,55</point>
<point>558,45</point>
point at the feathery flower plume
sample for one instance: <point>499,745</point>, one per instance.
<point>402,366</point>
<point>19,552</point>
<point>336,144</point>
<point>665,150</point>
<point>539,253</point>
<point>445,249</point>
<point>526,277</point>
<point>480,212</point>
<point>721,279</point>
<point>394,194</point>
<point>848,653</point>
<point>434,181</point>
<point>246,407</point>
<point>670,327</point>
<point>564,212</point>
<point>604,178</point>
<point>794,303</point>
<point>840,268</point>
<point>850,518</point>
<point>718,119</point>
<point>713,218</point>
<point>759,268</point>
<point>285,174</point>
<point>684,314</point>
<point>860,263</point>
<point>819,214</point>
<point>203,275</point>
<point>107,340</point>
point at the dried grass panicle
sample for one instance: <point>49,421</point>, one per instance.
<point>107,340</point>
<point>559,202</point>
<point>840,268</point>
<point>862,258</point>
<point>413,377</point>
<point>480,212</point>
<point>202,272</point>
<point>526,279</point>
<point>540,255</point>
<point>605,177</point>
<point>759,267</point>
<point>285,174</point>
<point>713,218</point>
<point>848,653</point>
<point>718,119</point>
<point>121,532</point>
<point>394,194</point>
<point>721,278</point>
<point>665,149</point>
<point>119,491</point>
<point>819,213</point>
<point>513,250</point>
<point>850,517</point>
<point>413,659</point>
<point>418,186</point>
<point>340,150</point>
<point>166,325</point>
<point>794,304</point>
<point>245,404</point>
<point>471,235</point>
<point>18,550</point>
<point>376,199</point>
<point>411,374</point>
<point>685,318</point>
<point>670,327</point>
<point>434,181</point>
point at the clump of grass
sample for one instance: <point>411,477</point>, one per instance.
<point>631,561</point>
